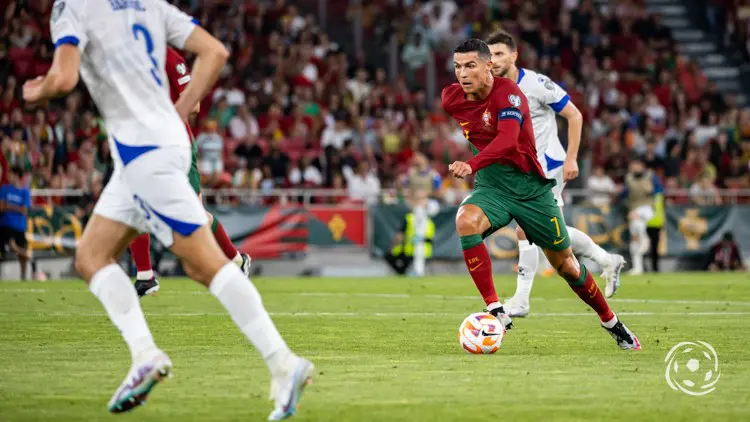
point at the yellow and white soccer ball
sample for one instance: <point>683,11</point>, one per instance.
<point>481,333</point>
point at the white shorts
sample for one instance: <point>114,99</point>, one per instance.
<point>645,212</point>
<point>557,174</point>
<point>150,192</point>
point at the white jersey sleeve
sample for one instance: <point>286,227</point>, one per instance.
<point>552,94</point>
<point>67,23</point>
<point>178,25</point>
<point>546,98</point>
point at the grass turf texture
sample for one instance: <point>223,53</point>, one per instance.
<point>385,350</point>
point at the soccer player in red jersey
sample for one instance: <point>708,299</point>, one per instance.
<point>510,184</point>
<point>178,74</point>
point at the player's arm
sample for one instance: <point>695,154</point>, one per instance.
<point>575,126</point>
<point>211,55</point>
<point>508,129</point>
<point>69,37</point>
<point>559,101</point>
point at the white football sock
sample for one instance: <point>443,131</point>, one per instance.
<point>144,275</point>
<point>115,291</point>
<point>243,302</point>
<point>237,259</point>
<point>528,260</point>
<point>583,245</point>
<point>611,323</point>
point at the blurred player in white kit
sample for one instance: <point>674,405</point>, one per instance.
<point>120,48</point>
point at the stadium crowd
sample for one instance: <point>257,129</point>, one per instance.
<point>297,108</point>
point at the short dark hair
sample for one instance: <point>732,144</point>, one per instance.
<point>474,45</point>
<point>17,171</point>
<point>502,37</point>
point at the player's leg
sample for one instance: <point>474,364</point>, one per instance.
<point>639,241</point>
<point>177,218</point>
<point>582,283</point>
<point>19,245</point>
<point>611,264</point>
<point>115,223</point>
<point>225,243</point>
<point>528,262</point>
<point>544,224</point>
<point>145,280</point>
<point>194,177</point>
<point>478,215</point>
<point>583,245</point>
<point>653,236</point>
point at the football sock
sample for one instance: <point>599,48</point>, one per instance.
<point>225,243</point>
<point>480,267</point>
<point>242,300</point>
<point>584,246</point>
<point>140,248</point>
<point>528,260</point>
<point>113,289</point>
<point>586,288</point>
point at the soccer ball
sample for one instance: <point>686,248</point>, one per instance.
<point>481,333</point>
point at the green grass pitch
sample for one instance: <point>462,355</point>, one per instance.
<point>385,350</point>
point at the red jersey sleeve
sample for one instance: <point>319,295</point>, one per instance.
<point>178,73</point>
<point>512,107</point>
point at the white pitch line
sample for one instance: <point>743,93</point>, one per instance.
<point>369,314</point>
<point>405,296</point>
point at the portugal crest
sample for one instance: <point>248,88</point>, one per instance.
<point>486,117</point>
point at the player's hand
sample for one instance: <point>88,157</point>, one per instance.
<point>460,169</point>
<point>32,89</point>
<point>183,110</point>
<point>570,169</point>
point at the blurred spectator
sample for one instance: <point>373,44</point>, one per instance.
<point>364,184</point>
<point>244,125</point>
<point>415,56</point>
<point>602,187</point>
<point>421,181</point>
<point>726,256</point>
<point>641,185</point>
<point>305,174</point>
<point>277,166</point>
<point>704,192</point>
<point>15,202</point>
<point>337,134</point>
<point>211,149</point>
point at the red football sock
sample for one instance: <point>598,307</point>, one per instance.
<point>480,267</point>
<point>140,248</point>
<point>224,241</point>
<point>589,292</point>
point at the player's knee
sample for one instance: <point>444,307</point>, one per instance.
<point>569,269</point>
<point>196,273</point>
<point>84,261</point>
<point>520,233</point>
<point>468,221</point>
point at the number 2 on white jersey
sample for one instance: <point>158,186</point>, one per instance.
<point>138,28</point>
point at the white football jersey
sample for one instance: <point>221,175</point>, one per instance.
<point>546,99</point>
<point>123,48</point>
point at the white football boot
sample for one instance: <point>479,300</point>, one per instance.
<point>611,274</point>
<point>146,372</point>
<point>287,388</point>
